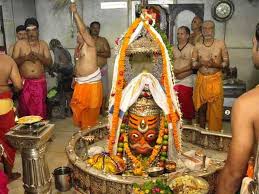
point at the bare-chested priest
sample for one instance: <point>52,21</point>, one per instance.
<point>183,72</point>
<point>103,53</point>
<point>87,97</point>
<point>32,56</point>
<point>210,57</point>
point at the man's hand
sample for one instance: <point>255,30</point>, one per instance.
<point>212,63</point>
<point>73,8</point>
<point>205,63</point>
<point>30,57</point>
<point>36,55</point>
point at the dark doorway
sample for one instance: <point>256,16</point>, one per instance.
<point>176,9</point>
<point>2,33</point>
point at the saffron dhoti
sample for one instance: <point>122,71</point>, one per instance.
<point>7,117</point>
<point>209,90</point>
<point>32,100</point>
<point>184,89</point>
<point>87,100</point>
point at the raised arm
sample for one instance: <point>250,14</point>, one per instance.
<point>242,125</point>
<point>81,27</point>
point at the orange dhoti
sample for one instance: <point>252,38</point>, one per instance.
<point>86,103</point>
<point>209,90</point>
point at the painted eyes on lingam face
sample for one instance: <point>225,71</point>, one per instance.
<point>149,137</point>
<point>142,143</point>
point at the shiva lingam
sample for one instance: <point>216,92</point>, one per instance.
<point>143,140</point>
<point>32,140</point>
<point>143,124</point>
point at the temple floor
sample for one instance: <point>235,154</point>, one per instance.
<point>56,156</point>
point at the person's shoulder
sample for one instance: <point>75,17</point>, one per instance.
<point>189,45</point>
<point>219,42</point>
<point>21,43</point>
<point>103,39</point>
<point>248,99</point>
<point>6,59</point>
<point>44,43</point>
<point>198,45</point>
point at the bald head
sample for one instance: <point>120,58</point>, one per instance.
<point>208,29</point>
<point>209,23</point>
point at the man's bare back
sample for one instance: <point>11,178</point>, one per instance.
<point>32,67</point>
<point>245,135</point>
<point>9,71</point>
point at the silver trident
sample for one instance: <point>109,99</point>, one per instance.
<point>72,20</point>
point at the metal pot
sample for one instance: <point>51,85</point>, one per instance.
<point>63,178</point>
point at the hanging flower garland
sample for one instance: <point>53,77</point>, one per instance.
<point>120,84</point>
<point>173,116</point>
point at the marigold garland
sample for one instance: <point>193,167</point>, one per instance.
<point>155,150</point>
<point>120,84</point>
<point>173,116</point>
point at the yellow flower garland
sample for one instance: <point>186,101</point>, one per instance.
<point>173,116</point>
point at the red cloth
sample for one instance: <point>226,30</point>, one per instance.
<point>6,95</point>
<point>3,183</point>
<point>185,100</point>
<point>6,123</point>
<point>32,100</point>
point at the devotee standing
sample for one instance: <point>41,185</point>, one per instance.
<point>196,35</point>
<point>64,68</point>
<point>87,97</point>
<point>255,50</point>
<point>8,70</point>
<point>21,34</point>
<point>183,72</point>
<point>32,56</point>
<point>210,57</point>
<point>103,53</point>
